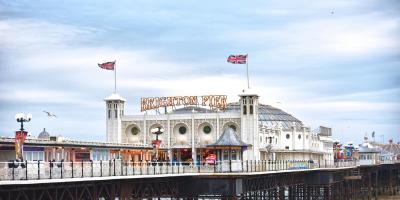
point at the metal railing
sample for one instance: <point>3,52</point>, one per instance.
<point>36,170</point>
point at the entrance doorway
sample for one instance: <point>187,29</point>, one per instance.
<point>182,155</point>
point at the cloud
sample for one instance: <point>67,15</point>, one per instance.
<point>331,37</point>
<point>32,34</point>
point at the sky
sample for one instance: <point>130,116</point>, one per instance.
<point>329,63</point>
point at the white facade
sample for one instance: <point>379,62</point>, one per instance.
<point>269,132</point>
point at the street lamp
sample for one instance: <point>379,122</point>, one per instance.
<point>21,117</point>
<point>157,131</point>
<point>156,143</point>
<point>21,135</point>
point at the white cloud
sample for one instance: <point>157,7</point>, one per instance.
<point>331,36</point>
<point>30,34</point>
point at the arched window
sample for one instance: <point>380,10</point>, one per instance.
<point>135,130</point>
<point>182,130</point>
<point>287,136</point>
<point>207,129</point>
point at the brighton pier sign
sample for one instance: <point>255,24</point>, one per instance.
<point>213,101</point>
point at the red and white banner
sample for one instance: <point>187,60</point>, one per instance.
<point>107,65</point>
<point>237,59</point>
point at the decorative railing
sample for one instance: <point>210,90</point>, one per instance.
<point>36,170</point>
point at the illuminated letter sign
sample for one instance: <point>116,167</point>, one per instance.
<point>213,101</point>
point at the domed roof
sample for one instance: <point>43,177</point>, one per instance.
<point>268,116</point>
<point>114,96</point>
<point>44,135</point>
<point>271,117</point>
<point>190,109</point>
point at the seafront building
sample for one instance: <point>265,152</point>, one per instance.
<point>270,133</point>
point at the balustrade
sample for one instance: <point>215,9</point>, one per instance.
<point>33,170</point>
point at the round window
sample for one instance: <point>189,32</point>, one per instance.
<point>182,130</point>
<point>232,127</point>
<point>135,130</point>
<point>207,129</point>
<point>287,136</point>
<point>299,136</point>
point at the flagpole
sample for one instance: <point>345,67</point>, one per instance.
<point>247,69</point>
<point>115,77</point>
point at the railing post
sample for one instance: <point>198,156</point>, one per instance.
<point>51,166</point>
<point>178,167</point>
<point>198,168</point>
<point>91,165</point>
<point>82,168</point>
<point>101,168</point>
<point>247,165</point>
<point>62,168</point>
<point>114,166</point>
<point>38,168</point>
<point>154,167</point>
<point>26,169</point>
<point>241,162</point>
<point>72,167</point>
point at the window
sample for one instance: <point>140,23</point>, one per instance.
<point>299,136</point>
<point>116,114</point>
<point>270,140</point>
<point>287,136</point>
<point>287,147</point>
<point>135,130</point>
<point>207,129</point>
<point>233,155</point>
<point>109,114</point>
<point>251,109</point>
<point>226,155</point>
<point>182,130</point>
<point>244,110</point>
<point>232,127</point>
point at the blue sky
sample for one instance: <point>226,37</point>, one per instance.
<point>331,63</point>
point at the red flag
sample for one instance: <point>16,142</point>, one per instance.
<point>237,59</point>
<point>107,65</point>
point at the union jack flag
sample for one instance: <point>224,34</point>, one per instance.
<point>107,65</point>
<point>237,59</point>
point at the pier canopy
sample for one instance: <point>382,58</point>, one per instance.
<point>229,146</point>
<point>229,139</point>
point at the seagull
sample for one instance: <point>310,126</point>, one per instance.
<point>332,12</point>
<point>50,114</point>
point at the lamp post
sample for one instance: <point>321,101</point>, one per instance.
<point>21,135</point>
<point>156,143</point>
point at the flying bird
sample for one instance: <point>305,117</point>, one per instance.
<point>49,114</point>
<point>332,12</point>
